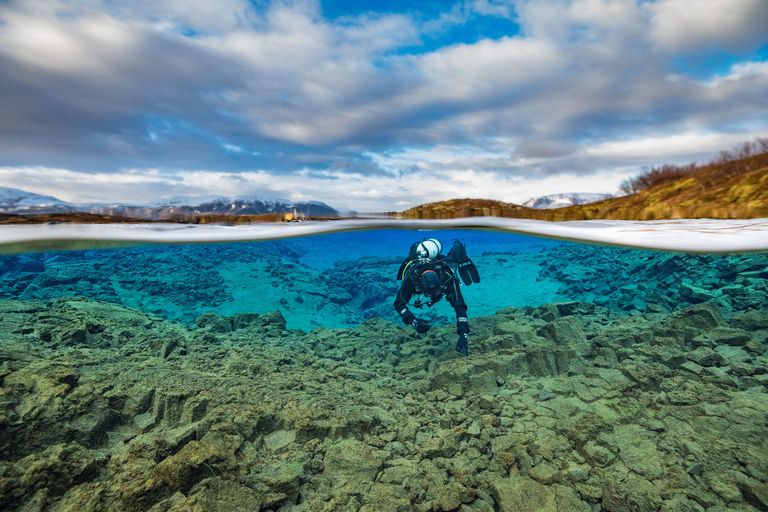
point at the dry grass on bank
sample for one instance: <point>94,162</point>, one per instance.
<point>732,187</point>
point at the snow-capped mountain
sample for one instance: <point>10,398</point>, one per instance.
<point>13,200</point>
<point>198,205</point>
<point>562,200</point>
<point>19,201</point>
<point>183,201</point>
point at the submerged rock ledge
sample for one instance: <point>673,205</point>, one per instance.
<point>568,406</point>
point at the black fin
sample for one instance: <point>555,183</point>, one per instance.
<point>464,273</point>
<point>473,273</point>
<point>468,272</point>
<point>458,252</point>
<point>467,269</point>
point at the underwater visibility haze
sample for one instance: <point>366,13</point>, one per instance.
<point>277,375</point>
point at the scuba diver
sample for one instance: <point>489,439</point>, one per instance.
<point>426,272</point>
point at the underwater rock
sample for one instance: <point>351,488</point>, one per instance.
<point>695,294</point>
<point>279,439</point>
<point>729,336</point>
<point>520,494</point>
<point>274,319</point>
<point>243,320</point>
<point>353,465</point>
<point>191,465</point>
<point>702,317</point>
<point>631,493</point>
<point>514,333</point>
<point>214,322</point>
<point>568,331</point>
<point>334,419</point>
<point>706,357</point>
<point>53,472</point>
<point>750,321</point>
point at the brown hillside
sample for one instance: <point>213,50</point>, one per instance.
<point>736,189</point>
<point>68,218</point>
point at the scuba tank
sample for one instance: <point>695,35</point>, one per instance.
<point>421,252</point>
<point>429,249</point>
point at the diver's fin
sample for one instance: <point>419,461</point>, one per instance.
<point>458,252</point>
<point>473,273</point>
<point>467,269</point>
<point>464,273</point>
<point>468,272</point>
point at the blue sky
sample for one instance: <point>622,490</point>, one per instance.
<point>371,106</point>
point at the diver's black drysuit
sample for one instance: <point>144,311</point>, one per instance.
<point>444,267</point>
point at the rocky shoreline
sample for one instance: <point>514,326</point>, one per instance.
<point>566,406</point>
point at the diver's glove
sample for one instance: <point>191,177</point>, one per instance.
<point>420,325</point>
<point>462,345</point>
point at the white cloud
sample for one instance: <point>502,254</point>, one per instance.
<point>502,9</point>
<point>486,69</point>
<point>693,25</point>
<point>83,45</point>
<point>668,146</point>
<point>743,72</point>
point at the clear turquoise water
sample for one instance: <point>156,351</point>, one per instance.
<point>342,279</point>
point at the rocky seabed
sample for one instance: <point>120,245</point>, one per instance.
<point>568,406</point>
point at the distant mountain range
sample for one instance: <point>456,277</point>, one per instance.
<point>13,200</point>
<point>564,200</point>
<point>22,202</point>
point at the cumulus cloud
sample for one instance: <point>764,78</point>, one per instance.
<point>357,107</point>
<point>691,25</point>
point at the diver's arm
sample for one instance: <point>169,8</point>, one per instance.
<point>462,322</point>
<point>457,301</point>
<point>404,294</point>
<point>462,325</point>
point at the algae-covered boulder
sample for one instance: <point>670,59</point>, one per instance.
<point>631,494</point>
<point>695,294</point>
<point>273,321</point>
<point>567,331</point>
<point>513,333</point>
<point>244,320</point>
<point>542,361</point>
<point>214,322</point>
<point>279,439</point>
<point>547,312</point>
<point>211,495</point>
<point>750,321</point>
<point>637,449</point>
<point>189,466</point>
<point>706,357</point>
<point>703,317</point>
<point>77,322</point>
<point>521,494</point>
<point>282,478</point>
<point>729,336</point>
<point>353,464</point>
<point>450,373</point>
<point>54,470</point>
